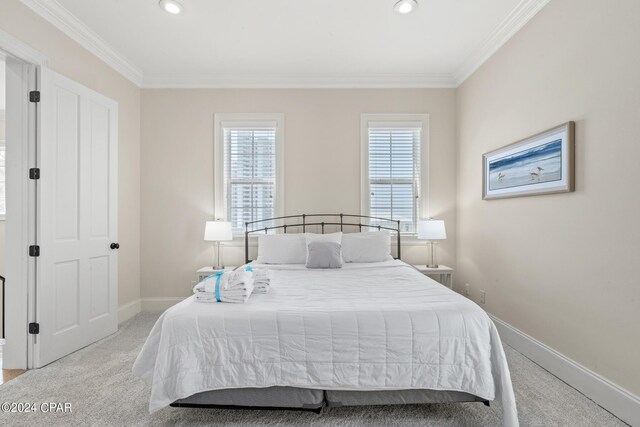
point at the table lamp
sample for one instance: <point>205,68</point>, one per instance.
<point>432,230</point>
<point>218,231</point>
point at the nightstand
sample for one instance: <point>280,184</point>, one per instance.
<point>205,272</point>
<point>444,274</point>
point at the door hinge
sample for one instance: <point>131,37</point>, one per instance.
<point>34,250</point>
<point>34,328</point>
<point>34,96</point>
<point>34,173</point>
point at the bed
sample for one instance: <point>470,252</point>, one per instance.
<point>363,334</point>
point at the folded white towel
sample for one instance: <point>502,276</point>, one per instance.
<point>233,286</point>
<point>211,298</point>
<point>261,280</point>
<point>228,280</point>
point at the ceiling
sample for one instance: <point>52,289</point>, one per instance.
<point>305,43</point>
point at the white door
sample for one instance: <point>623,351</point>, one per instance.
<point>76,277</point>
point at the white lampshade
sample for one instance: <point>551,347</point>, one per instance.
<point>431,229</point>
<point>218,231</point>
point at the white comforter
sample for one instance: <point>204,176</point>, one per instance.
<point>381,326</point>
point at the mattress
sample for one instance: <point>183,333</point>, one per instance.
<point>364,327</point>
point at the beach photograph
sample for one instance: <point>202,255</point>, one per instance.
<point>532,166</point>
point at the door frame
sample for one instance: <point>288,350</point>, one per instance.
<point>21,218</point>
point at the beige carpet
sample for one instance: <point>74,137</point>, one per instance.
<point>98,383</point>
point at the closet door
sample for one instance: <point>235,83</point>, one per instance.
<point>76,277</point>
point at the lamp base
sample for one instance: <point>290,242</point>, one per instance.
<point>218,264</point>
<point>432,261</point>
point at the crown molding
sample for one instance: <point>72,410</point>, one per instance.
<point>54,13</point>
<point>519,16</point>
<point>297,80</point>
<point>15,47</point>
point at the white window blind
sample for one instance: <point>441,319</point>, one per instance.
<point>249,173</point>
<point>394,172</point>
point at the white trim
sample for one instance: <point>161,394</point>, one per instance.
<point>20,217</point>
<point>159,303</point>
<point>218,153</point>
<point>150,304</point>
<point>21,50</point>
<point>129,310</point>
<point>297,80</point>
<point>3,148</point>
<point>423,119</point>
<point>519,16</point>
<point>622,403</point>
<point>54,13</point>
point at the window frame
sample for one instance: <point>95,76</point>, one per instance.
<point>422,207</point>
<point>221,120</point>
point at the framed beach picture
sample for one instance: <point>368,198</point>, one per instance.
<point>540,164</point>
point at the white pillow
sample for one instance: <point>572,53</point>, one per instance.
<point>314,237</point>
<point>370,246</point>
<point>282,249</point>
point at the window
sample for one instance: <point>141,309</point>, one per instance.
<point>248,174</point>
<point>392,151</point>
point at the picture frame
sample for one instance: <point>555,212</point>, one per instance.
<point>540,164</point>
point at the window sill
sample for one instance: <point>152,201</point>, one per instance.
<point>410,240</point>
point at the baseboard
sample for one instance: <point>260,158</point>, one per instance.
<point>610,396</point>
<point>159,303</point>
<point>128,310</point>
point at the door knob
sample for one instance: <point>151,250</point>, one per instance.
<point>115,246</point>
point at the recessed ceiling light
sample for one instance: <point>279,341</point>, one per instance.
<point>171,6</point>
<point>405,6</point>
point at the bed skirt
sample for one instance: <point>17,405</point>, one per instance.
<point>310,399</point>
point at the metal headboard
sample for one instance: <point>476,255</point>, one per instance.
<point>344,222</point>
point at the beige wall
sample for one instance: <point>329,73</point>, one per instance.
<point>322,166</point>
<point>70,59</point>
<point>561,267</point>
